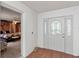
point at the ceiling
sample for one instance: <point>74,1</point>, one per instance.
<point>8,14</point>
<point>43,6</point>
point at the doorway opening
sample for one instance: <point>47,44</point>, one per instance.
<point>10,33</point>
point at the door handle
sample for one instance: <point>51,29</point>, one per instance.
<point>62,36</point>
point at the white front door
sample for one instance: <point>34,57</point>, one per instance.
<point>56,32</point>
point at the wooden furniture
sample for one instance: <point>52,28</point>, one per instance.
<point>13,36</point>
<point>10,26</point>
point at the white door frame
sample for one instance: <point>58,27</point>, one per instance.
<point>21,12</point>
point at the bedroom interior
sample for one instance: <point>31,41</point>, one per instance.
<point>10,33</point>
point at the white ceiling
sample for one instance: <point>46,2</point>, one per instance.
<point>43,6</point>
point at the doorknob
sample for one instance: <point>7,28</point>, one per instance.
<point>62,33</point>
<point>62,36</point>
